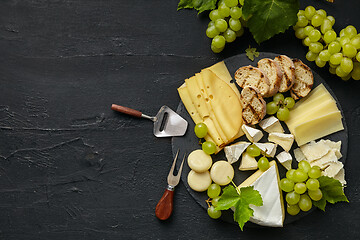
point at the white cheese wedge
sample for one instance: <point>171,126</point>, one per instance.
<point>284,140</point>
<point>314,150</point>
<point>248,162</point>
<point>333,169</point>
<point>341,176</point>
<point>271,124</point>
<point>253,134</point>
<point>299,156</point>
<point>268,148</point>
<point>285,159</point>
<point>271,213</point>
<point>325,160</point>
<point>234,151</point>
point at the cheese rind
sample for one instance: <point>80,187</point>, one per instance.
<point>234,151</point>
<point>285,159</point>
<point>268,148</point>
<point>284,140</point>
<point>271,124</point>
<point>252,134</point>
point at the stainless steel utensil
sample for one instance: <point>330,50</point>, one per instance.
<point>165,205</point>
<point>167,123</point>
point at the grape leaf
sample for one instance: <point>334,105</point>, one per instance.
<point>269,17</point>
<point>332,192</point>
<point>251,53</point>
<point>240,202</point>
<point>199,5</point>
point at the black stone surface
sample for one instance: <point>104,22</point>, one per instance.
<point>70,168</point>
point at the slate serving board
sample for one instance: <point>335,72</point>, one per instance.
<point>190,142</point>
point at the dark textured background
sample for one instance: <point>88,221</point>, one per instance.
<point>70,168</point>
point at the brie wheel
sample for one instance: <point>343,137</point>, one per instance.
<point>199,161</point>
<point>199,181</point>
<point>222,172</point>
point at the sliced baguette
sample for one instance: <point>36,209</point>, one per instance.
<point>254,106</point>
<point>274,74</point>
<point>253,77</point>
<point>288,70</point>
<point>304,80</point>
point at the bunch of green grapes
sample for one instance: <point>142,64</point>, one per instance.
<point>341,51</point>
<point>301,187</point>
<point>226,24</point>
<point>254,151</point>
<point>213,193</point>
<point>280,105</point>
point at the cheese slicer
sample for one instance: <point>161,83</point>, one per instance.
<point>167,123</point>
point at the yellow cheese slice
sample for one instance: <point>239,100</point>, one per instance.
<point>212,131</point>
<point>316,92</point>
<point>318,128</point>
<point>189,105</point>
<point>196,97</point>
<point>209,138</point>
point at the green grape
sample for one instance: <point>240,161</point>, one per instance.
<point>332,19</point>
<point>212,32</point>
<point>326,26</point>
<point>200,130</point>
<point>315,195</point>
<point>300,175</point>
<point>231,3</point>
<point>218,41</point>
<point>241,2</point>
<point>235,12</point>
<point>316,47</point>
<point>293,209</point>
<point>355,41</point>
<point>278,98</point>
<point>240,32</point>
<point>308,29</point>
<point>317,20</point>
<point>358,56</point>
<point>312,184</point>
<point>332,65</point>
<point>290,174</point>
<point>253,150</point>
<point>336,58</point>
<point>349,50</point>
<point>300,33</point>
<point>224,11</point>
<point>344,40</point>
<point>214,15</point>
<point>292,198</point>
<point>340,72</point>
<point>214,214</point>
<point>322,13</point>
<point>300,188</point>
<point>301,13</point>
<point>211,23</point>
<point>319,62</point>
<point>286,185</point>
<point>304,165</point>
<point>229,35</point>
<point>329,36</point>
<point>334,47</point>
<point>302,21</point>
<point>235,24</point>
<point>314,35</point>
<point>355,73</point>
<point>215,49</point>
<point>263,164</point>
<point>289,102</point>
<point>332,70</point>
<point>309,12</point>
<point>310,56</point>
<point>214,190</point>
<point>314,172</point>
<point>347,77</point>
<point>350,31</point>
<point>305,203</point>
<point>342,33</point>
<point>346,65</point>
<point>271,108</point>
<point>215,201</point>
<point>209,147</point>
<point>221,25</point>
<point>306,41</point>
<point>283,114</point>
<point>325,55</point>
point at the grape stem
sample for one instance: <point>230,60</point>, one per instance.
<point>208,202</point>
<point>237,189</point>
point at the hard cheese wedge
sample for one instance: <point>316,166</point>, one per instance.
<point>267,183</point>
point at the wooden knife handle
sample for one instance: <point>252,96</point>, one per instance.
<point>126,110</point>
<point>164,207</point>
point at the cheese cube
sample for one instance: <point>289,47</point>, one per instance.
<point>284,140</point>
<point>234,151</point>
<point>285,159</point>
<point>271,124</point>
<point>268,148</point>
<point>253,134</point>
<point>248,162</point>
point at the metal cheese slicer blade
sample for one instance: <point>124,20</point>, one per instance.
<point>167,123</point>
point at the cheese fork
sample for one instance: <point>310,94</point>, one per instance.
<point>164,207</point>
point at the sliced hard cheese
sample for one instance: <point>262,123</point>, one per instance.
<point>268,148</point>
<point>325,161</point>
<point>253,134</point>
<point>285,159</point>
<point>271,124</point>
<point>209,138</point>
<point>336,146</point>
<point>341,176</point>
<point>248,162</point>
<point>199,161</point>
<point>199,181</point>
<point>196,97</point>
<point>299,156</point>
<point>189,105</point>
<point>212,131</point>
<point>271,213</point>
<point>314,150</point>
<point>284,140</point>
<point>318,128</point>
<point>222,172</point>
<point>234,151</point>
<point>333,169</point>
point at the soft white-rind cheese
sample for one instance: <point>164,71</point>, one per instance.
<point>253,134</point>
<point>268,148</point>
<point>285,159</point>
<point>284,140</point>
<point>271,124</point>
<point>234,151</point>
<point>248,162</point>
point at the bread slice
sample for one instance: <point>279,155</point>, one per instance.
<point>288,70</point>
<point>254,106</point>
<point>273,73</point>
<point>253,77</point>
<point>304,80</point>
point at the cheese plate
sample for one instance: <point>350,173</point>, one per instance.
<point>189,142</point>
